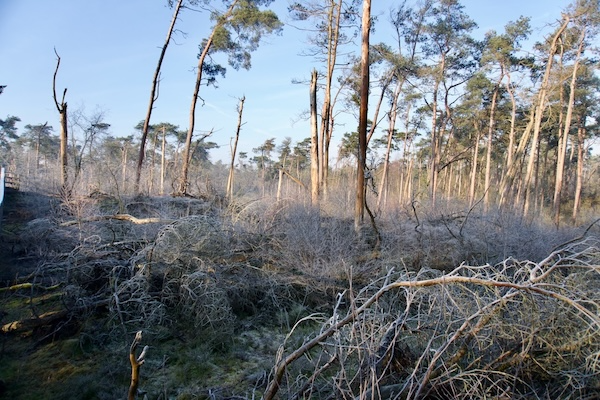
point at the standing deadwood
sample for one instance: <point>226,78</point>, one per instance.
<point>234,149</point>
<point>314,141</point>
<point>136,363</point>
<point>62,111</point>
<point>359,206</point>
<point>153,98</point>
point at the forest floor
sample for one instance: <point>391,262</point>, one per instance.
<point>217,290</point>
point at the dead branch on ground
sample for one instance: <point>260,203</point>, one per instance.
<point>119,217</point>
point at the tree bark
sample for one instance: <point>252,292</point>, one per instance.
<point>579,176</point>
<point>314,143</point>
<point>359,206</point>
<point>153,97</point>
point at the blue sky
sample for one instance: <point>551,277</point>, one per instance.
<point>109,50</point>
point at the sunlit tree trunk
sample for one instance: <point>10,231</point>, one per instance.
<point>359,206</point>
<point>474,163</point>
<point>488,157</point>
<point>579,175</point>
<point>539,111</point>
<point>562,150</point>
<point>163,157</point>
<point>513,118</point>
<point>314,143</point>
<point>334,18</point>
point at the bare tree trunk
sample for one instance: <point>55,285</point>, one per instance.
<point>435,149</point>
<point>229,192</point>
<point>511,135</point>
<point>488,157</point>
<point>153,163</point>
<point>62,111</point>
<point>124,165</point>
<point>541,106</point>
<point>474,163</point>
<point>154,97</point>
<point>391,130</point>
<point>185,163</point>
<point>579,177</point>
<point>562,150</point>
<point>359,206</point>
<point>314,143</point>
<point>163,150</point>
<point>279,184</point>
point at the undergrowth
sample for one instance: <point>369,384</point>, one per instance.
<point>216,291</point>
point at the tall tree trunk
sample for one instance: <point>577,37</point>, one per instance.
<point>435,148</point>
<point>123,166</point>
<point>327,110</point>
<point>62,111</point>
<point>580,161</point>
<point>153,163</point>
<point>513,118</point>
<point>488,157</point>
<point>562,150</point>
<point>234,149</point>
<point>153,97</point>
<point>391,130</point>
<point>539,111</point>
<point>474,163</point>
<point>185,163</point>
<point>163,157</point>
<point>359,206</point>
<point>314,143</point>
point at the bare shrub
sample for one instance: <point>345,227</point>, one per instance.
<point>198,236</point>
<point>205,304</point>
<point>307,241</point>
<point>513,330</point>
<point>132,304</point>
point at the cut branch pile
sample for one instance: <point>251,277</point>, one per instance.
<point>513,330</point>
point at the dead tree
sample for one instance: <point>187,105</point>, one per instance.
<point>62,111</point>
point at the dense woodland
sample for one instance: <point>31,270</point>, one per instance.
<point>447,248</point>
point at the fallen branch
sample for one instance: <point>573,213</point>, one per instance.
<point>48,318</point>
<point>35,322</point>
<point>532,287</point>
<point>119,217</point>
<point>29,285</point>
